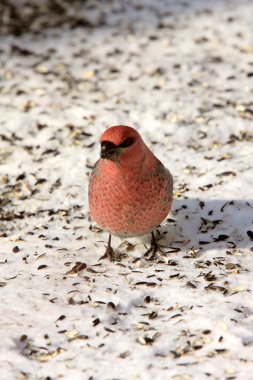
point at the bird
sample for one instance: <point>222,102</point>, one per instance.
<point>130,190</point>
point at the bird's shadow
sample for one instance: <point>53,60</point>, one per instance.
<point>209,224</point>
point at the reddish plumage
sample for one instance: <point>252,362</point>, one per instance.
<point>130,191</point>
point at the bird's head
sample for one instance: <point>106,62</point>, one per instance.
<point>120,143</point>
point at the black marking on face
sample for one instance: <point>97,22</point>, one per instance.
<point>111,151</point>
<point>126,142</point>
<point>107,149</point>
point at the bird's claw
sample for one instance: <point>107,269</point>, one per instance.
<point>153,251</point>
<point>154,248</point>
<point>111,255</point>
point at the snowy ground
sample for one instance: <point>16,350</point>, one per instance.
<point>181,72</point>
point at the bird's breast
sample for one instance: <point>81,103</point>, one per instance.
<point>129,204</point>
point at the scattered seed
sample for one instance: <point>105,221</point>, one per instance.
<point>230,266</point>
<point>15,249</point>
<point>43,266</point>
<point>250,235</point>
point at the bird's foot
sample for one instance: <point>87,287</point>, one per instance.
<point>111,255</point>
<point>154,248</point>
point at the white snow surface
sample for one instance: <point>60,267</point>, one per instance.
<point>181,73</point>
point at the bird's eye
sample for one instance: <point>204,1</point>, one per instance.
<point>126,143</point>
<point>107,145</point>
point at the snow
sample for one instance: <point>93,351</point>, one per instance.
<point>181,74</point>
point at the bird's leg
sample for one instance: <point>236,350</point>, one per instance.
<point>154,247</point>
<point>110,253</point>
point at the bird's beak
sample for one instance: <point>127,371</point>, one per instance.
<point>108,150</point>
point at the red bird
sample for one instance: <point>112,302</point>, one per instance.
<point>130,191</point>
